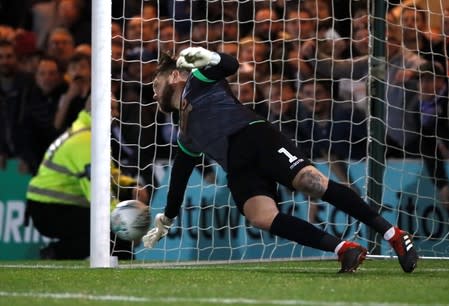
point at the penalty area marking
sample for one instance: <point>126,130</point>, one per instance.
<point>179,300</point>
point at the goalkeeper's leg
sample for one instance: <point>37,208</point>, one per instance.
<point>262,212</point>
<point>314,183</point>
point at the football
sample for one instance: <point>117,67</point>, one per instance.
<point>130,220</point>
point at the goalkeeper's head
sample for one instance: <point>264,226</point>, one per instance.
<point>168,83</point>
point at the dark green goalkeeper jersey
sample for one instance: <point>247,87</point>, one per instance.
<point>210,113</point>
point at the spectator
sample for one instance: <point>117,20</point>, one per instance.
<point>267,23</point>
<point>29,63</point>
<point>214,33</point>
<point>166,134</point>
<point>14,86</point>
<point>219,23</point>
<point>360,33</point>
<point>199,33</point>
<point>140,65</point>
<point>268,28</point>
<point>38,130</point>
<point>253,58</point>
<point>25,47</point>
<point>85,49</point>
<point>231,29</point>
<point>138,111</point>
<point>43,14</point>
<point>117,62</point>
<point>116,31</point>
<point>298,32</point>
<point>280,106</point>
<point>353,90</point>
<point>326,31</point>
<point>151,19</point>
<point>299,26</point>
<point>168,37</point>
<point>327,129</point>
<point>247,91</point>
<point>7,33</point>
<point>401,69</point>
<point>231,48</point>
<point>58,197</point>
<point>77,94</point>
<point>401,127</point>
<point>445,40</point>
<point>26,50</point>
<point>150,11</point>
<point>122,152</point>
<point>74,16</point>
<point>415,30</point>
<point>141,33</point>
<point>61,46</point>
<point>126,9</point>
<point>433,102</point>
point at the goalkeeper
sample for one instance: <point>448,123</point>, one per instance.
<point>255,156</point>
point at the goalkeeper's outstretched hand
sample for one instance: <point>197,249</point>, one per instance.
<point>161,226</point>
<point>197,57</point>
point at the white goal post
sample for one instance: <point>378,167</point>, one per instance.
<point>101,144</point>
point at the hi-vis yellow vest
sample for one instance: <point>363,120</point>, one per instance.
<point>62,177</point>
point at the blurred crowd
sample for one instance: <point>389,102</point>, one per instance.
<point>305,66</point>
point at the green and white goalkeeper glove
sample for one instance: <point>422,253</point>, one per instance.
<point>197,57</point>
<point>161,226</point>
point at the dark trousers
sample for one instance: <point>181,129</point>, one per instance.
<point>69,225</point>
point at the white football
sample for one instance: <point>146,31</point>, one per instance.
<point>130,220</point>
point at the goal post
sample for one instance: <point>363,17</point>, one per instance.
<point>376,94</point>
<point>101,144</point>
<point>273,80</point>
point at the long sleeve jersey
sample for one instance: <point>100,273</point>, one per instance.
<point>210,114</point>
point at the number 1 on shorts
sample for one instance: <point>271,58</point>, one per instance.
<point>291,158</point>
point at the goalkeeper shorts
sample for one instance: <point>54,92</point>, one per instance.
<point>259,157</point>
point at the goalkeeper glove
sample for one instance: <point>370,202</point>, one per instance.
<point>197,57</point>
<point>161,226</point>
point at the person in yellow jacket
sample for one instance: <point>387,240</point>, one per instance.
<point>58,196</point>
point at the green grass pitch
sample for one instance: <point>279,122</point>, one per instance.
<point>377,282</point>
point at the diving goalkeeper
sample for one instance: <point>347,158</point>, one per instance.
<point>255,156</point>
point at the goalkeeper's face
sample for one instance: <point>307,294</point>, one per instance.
<point>164,93</point>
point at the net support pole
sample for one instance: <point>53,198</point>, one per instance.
<point>101,112</point>
<point>376,160</point>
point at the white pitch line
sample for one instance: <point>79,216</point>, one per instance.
<point>42,266</point>
<point>179,300</point>
<point>179,266</point>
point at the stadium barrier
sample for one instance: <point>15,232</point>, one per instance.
<point>211,228</point>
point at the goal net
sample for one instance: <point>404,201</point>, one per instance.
<point>359,85</point>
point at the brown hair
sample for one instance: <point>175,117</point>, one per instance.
<point>167,63</point>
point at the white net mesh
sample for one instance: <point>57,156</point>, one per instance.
<point>313,68</point>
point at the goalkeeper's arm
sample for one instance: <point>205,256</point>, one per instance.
<point>212,65</point>
<point>181,171</point>
<point>227,66</point>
